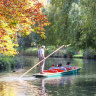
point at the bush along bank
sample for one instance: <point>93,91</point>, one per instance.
<point>62,53</point>
<point>33,51</point>
<point>89,54</point>
<point>6,63</point>
<point>11,64</point>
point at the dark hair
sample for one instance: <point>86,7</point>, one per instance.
<point>68,63</point>
<point>53,65</point>
<point>60,64</point>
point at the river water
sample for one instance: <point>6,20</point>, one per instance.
<point>83,84</point>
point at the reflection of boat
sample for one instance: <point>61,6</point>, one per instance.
<point>53,84</point>
<point>53,73</point>
<point>58,80</point>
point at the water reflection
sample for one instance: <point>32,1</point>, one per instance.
<point>42,88</point>
<point>59,81</point>
<point>68,86</point>
<point>49,83</point>
<point>75,85</point>
<point>18,88</point>
<point>6,89</point>
<point>14,86</point>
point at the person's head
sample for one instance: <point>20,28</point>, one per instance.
<point>53,65</point>
<point>43,46</point>
<point>60,64</point>
<point>68,63</point>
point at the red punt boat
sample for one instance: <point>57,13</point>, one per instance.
<point>58,72</point>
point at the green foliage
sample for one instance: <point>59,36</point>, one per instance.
<point>72,22</point>
<point>70,51</point>
<point>6,63</point>
<point>58,16</point>
<point>59,53</point>
<point>31,40</point>
<point>31,51</point>
<point>49,49</point>
<point>89,53</point>
<point>82,26</point>
<point>79,54</point>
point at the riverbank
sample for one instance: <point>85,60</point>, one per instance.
<point>68,52</point>
<point>8,63</point>
<point>62,53</point>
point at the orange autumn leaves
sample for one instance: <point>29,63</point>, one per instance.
<point>19,17</point>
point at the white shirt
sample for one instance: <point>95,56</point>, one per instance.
<point>41,53</point>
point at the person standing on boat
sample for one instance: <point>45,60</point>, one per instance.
<point>41,56</point>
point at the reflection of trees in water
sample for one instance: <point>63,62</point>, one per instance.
<point>20,88</point>
<point>89,66</point>
<point>56,86</point>
<point>85,87</point>
<point>70,86</point>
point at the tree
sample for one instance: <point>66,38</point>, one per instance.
<point>72,22</point>
<point>82,26</point>
<point>19,17</point>
<point>58,14</point>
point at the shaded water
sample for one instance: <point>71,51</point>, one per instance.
<point>83,84</point>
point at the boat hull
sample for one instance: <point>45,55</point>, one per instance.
<point>70,72</point>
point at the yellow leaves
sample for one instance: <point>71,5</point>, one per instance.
<point>46,24</point>
<point>16,45</point>
<point>3,24</point>
<point>27,4</point>
<point>7,48</point>
<point>7,29</point>
<point>42,32</point>
<point>28,21</point>
<point>38,32</point>
<point>33,23</point>
<point>43,36</point>
<point>39,28</point>
<point>27,32</point>
<point>18,16</point>
<point>32,30</point>
<point>6,90</point>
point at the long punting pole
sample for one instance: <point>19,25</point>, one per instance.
<point>41,61</point>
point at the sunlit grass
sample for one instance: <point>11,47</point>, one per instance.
<point>78,55</point>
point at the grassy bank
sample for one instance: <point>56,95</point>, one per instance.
<point>78,56</point>
<point>6,63</point>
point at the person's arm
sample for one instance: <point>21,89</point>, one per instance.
<point>70,67</point>
<point>43,56</point>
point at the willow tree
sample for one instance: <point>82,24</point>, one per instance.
<point>82,26</point>
<point>58,14</point>
<point>72,21</point>
<point>19,17</point>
